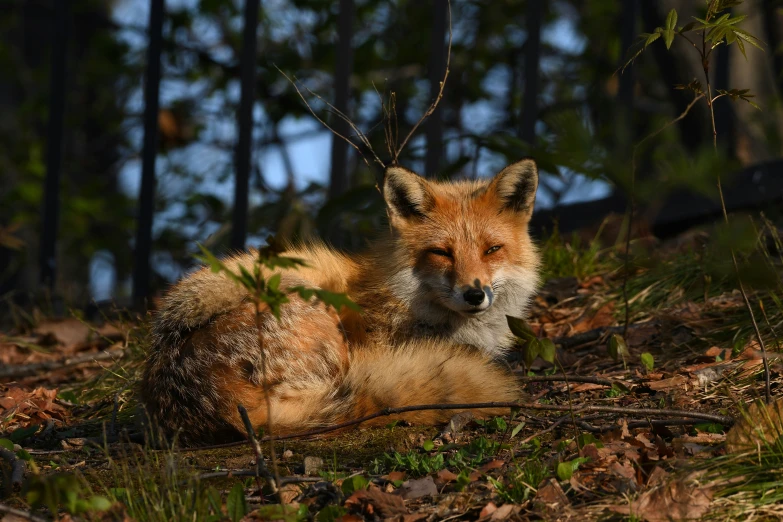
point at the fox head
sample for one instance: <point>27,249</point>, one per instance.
<point>465,244</point>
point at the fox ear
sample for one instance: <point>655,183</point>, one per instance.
<point>516,186</point>
<point>406,193</point>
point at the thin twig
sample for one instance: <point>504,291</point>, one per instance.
<point>17,466</point>
<point>115,408</point>
<point>252,473</point>
<point>546,430</point>
<point>26,515</point>
<point>261,470</point>
<point>267,398</point>
<point>26,370</point>
<point>560,378</point>
<point>359,133</point>
<point>639,424</point>
<point>718,419</point>
<point>322,122</point>
<point>435,103</point>
<point>705,56</point>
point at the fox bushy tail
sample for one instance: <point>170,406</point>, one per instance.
<point>206,359</point>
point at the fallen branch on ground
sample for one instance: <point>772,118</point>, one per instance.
<point>252,473</point>
<point>634,424</point>
<point>17,466</point>
<point>564,378</point>
<point>589,336</point>
<point>27,370</point>
<point>708,417</point>
<point>25,515</point>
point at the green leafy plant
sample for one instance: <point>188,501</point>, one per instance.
<point>61,489</point>
<point>493,425</point>
<point>263,286</point>
<point>236,505</point>
<point>565,470</point>
<point>519,486</point>
<point>531,345</point>
<point>417,464</point>
<point>617,348</point>
<point>648,361</point>
<point>266,290</point>
<point>353,484</point>
<point>704,35</point>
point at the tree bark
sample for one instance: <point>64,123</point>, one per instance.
<point>533,21</point>
<point>143,249</point>
<point>675,70</point>
<point>338,177</point>
<point>773,29</point>
<point>244,153</point>
<point>437,68</point>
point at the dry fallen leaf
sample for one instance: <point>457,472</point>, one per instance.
<point>22,408</point>
<point>488,510</point>
<point>419,488</point>
<point>665,384</point>
<point>604,316</point>
<point>551,496</point>
<point>446,476</point>
<point>675,500</point>
<point>66,332</point>
<point>761,425</point>
<point>371,501</point>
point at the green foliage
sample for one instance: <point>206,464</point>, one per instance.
<point>417,464</point>
<point>530,345</point>
<point>617,348</point>
<point>236,505</point>
<point>560,258</point>
<point>414,463</point>
<point>330,513</point>
<point>353,484</point>
<point>565,470</point>
<point>710,427</point>
<point>714,29</point>
<point>588,438</point>
<point>283,512</point>
<point>63,490</point>
<point>520,486</point>
<point>267,290</point>
<point>21,434</point>
<point>494,425</point>
<point>647,361</point>
<point>617,390</point>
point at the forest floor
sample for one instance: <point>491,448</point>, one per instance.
<point>614,444</point>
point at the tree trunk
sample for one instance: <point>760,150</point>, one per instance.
<point>338,178</point>
<point>773,29</point>
<point>534,20</point>
<point>437,68</point>
<point>624,130</point>
<point>143,247</point>
<point>725,119</point>
<point>244,153</point>
<point>675,70</point>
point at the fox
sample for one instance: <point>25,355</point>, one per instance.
<point>434,292</point>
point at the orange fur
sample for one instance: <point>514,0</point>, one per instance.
<point>435,295</point>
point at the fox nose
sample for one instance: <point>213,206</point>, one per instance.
<point>474,296</point>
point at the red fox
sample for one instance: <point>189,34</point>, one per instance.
<point>434,296</point>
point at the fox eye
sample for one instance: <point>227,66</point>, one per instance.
<point>493,249</point>
<point>439,252</point>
